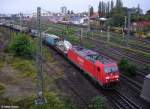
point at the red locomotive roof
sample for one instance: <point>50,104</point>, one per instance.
<point>91,55</point>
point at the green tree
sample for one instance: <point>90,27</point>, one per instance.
<point>138,9</point>
<point>22,45</point>
<point>117,16</point>
<point>103,8</point>
<point>119,4</point>
<point>108,7</point>
<point>111,5</point>
<point>72,12</point>
<point>100,8</point>
<point>68,12</point>
<point>91,10</point>
<point>148,12</point>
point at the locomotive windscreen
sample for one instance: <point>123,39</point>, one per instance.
<point>111,69</point>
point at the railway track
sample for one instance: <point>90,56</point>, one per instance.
<point>122,102</point>
<point>131,56</point>
<point>133,84</point>
<point>98,31</point>
<point>139,59</point>
<point>70,84</point>
<point>145,49</point>
<point>133,44</point>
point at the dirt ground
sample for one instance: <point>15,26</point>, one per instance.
<point>15,88</point>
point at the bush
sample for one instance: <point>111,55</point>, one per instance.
<point>123,64</point>
<point>22,45</point>
<point>68,31</point>
<point>126,68</point>
<point>131,70</point>
<point>98,103</point>
<point>147,67</point>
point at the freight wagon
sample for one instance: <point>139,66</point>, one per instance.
<point>50,39</point>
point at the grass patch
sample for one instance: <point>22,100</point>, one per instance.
<point>47,54</point>
<point>73,38</point>
<point>88,45</point>
<point>98,103</point>
<point>2,88</point>
<point>2,60</point>
<point>25,67</point>
<point>53,102</point>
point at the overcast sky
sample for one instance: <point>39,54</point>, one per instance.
<point>29,6</point>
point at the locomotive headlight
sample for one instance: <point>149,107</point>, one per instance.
<point>107,77</point>
<point>117,76</point>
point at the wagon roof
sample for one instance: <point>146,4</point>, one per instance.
<point>51,35</point>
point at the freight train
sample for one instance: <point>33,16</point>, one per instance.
<point>99,67</point>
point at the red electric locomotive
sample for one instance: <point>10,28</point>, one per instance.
<point>101,68</point>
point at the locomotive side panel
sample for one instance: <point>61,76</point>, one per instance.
<point>90,68</point>
<point>86,65</point>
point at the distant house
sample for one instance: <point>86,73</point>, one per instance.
<point>78,20</point>
<point>55,19</point>
<point>96,20</point>
<point>95,16</point>
<point>140,25</point>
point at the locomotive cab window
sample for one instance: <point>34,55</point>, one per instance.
<point>111,69</point>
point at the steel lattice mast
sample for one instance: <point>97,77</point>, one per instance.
<point>40,77</point>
